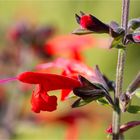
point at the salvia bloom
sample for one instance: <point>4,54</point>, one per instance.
<point>41,101</point>
<point>69,46</point>
<point>86,83</point>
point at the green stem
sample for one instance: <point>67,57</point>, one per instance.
<point>119,75</point>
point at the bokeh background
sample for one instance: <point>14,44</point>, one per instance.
<point>60,15</point>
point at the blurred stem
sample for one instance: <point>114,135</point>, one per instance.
<point>119,74</point>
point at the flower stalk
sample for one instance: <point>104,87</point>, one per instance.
<point>119,74</point>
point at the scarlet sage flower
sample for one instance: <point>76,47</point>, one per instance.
<point>41,101</point>
<point>94,87</point>
<point>69,45</point>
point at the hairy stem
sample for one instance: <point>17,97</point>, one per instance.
<point>119,74</point>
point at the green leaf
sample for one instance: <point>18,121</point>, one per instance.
<point>137,92</point>
<point>133,109</point>
<point>134,23</point>
<point>80,102</point>
<point>81,31</point>
<point>117,43</point>
<point>103,101</point>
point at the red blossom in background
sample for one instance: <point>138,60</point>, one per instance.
<point>69,45</point>
<point>41,101</point>
<point>70,68</point>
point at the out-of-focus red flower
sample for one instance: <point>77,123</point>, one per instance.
<point>70,67</point>
<point>69,45</point>
<point>41,101</point>
<point>70,119</point>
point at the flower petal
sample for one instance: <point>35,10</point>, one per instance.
<point>41,101</point>
<point>49,81</point>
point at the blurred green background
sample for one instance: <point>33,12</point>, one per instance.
<point>61,14</point>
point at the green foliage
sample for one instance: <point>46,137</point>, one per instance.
<point>137,93</point>
<point>117,43</point>
<point>103,101</point>
<point>80,102</point>
<point>134,109</point>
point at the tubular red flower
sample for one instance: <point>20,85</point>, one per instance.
<point>41,101</point>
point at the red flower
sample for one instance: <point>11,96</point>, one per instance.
<point>41,101</point>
